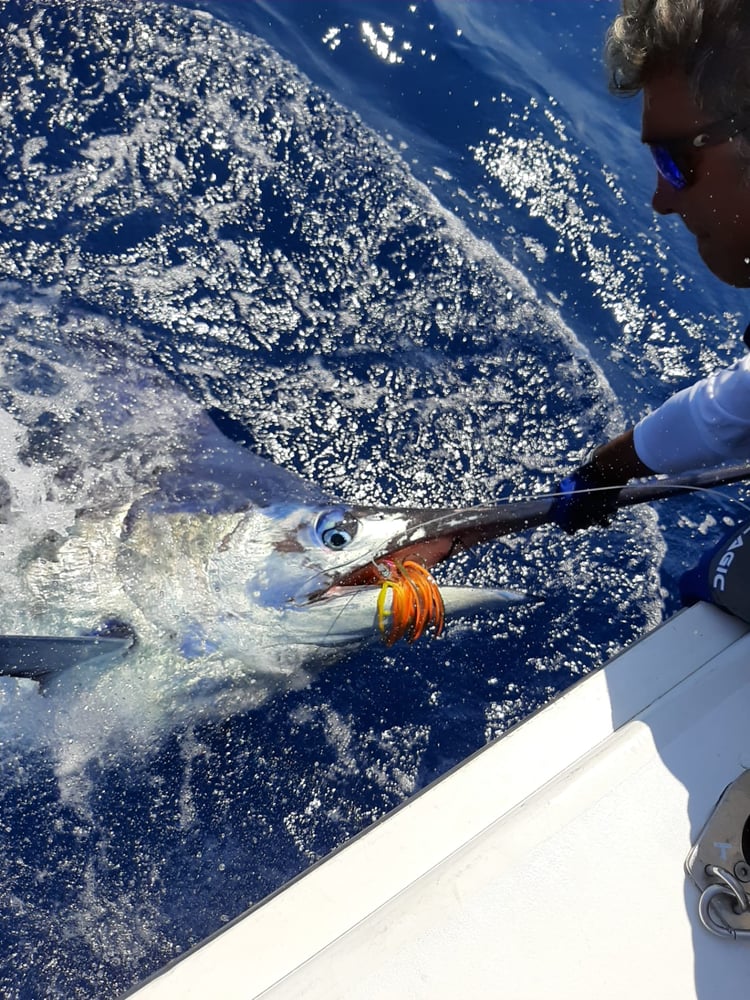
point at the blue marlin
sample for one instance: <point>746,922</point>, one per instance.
<point>231,557</point>
<point>176,546</point>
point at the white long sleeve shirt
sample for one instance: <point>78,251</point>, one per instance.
<point>704,425</point>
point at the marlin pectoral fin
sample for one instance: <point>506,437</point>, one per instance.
<point>37,657</point>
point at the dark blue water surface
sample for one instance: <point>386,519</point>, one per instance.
<point>409,249</point>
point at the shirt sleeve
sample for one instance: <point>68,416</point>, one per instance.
<point>704,425</point>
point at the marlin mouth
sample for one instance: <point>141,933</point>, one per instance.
<point>429,553</point>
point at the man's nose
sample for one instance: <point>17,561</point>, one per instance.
<point>663,200</point>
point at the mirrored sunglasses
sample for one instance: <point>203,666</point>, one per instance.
<point>673,157</point>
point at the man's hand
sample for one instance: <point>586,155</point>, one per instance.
<point>584,498</point>
<point>589,495</point>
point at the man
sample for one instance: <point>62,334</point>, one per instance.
<point>690,59</point>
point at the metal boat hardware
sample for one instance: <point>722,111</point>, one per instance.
<point>719,864</point>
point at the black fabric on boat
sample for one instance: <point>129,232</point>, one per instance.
<point>722,576</point>
<point>729,573</point>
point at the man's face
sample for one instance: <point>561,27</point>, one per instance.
<point>715,206</point>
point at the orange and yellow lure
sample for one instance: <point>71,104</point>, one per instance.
<point>416,602</point>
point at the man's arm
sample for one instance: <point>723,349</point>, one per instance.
<point>701,426</point>
<point>617,461</point>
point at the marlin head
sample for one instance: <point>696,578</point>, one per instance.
<point>314,574</point>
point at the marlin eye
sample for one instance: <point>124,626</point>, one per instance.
<point>336,528</point>
<point>336,538</point>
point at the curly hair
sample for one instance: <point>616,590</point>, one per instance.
<point>707,40</point>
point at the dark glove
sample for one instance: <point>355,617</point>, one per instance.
<point>585,497</point>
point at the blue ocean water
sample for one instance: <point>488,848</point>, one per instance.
<point>409,248</point>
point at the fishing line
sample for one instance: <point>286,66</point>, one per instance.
<point>335,619</point>
<point>713,492</point>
